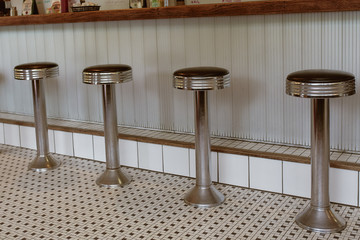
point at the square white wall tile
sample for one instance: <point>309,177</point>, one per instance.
<point>234,169</point>
<point>2,137</point>
<point>150,156</point>
<point>128,153</point>
<point>344,186</point>
<point>83,145</point>
<point>12,134</point>
<point>297,179</point>
<point>51,141</point>
<point>265,174</point>
<point>64,143</point>
<point>176,160</point>
<point>213,165</point>
<point>99,148</point>
<point>27,137</point>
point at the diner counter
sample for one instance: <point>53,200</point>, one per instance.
<point>203,10</point>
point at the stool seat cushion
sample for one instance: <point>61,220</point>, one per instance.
<point>201,78</point>
<point>107,74</point>
<point>36,71</point>
<point>320,83</point>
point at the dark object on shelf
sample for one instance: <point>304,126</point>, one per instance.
<point>85,8</point>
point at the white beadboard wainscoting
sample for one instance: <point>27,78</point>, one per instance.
<point>257,173</point>
<point>258,50</point>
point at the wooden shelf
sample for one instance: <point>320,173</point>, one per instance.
<point>204,10</point>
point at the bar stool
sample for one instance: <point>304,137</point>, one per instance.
<point>108,75</point>
<point>320,85</point>
<point>36,72</point>
<point>202,79</point>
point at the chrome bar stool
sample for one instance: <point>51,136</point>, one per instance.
<point>320,85</point>
<point>202,79</point>
<point>36,72</point>
<point>107,76</point>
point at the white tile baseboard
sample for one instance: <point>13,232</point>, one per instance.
<point>265,174</point>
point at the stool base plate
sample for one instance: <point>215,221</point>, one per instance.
<point>44,163</point>
<point>113,178</point>
<point>204,197</point>
<point>322,220</point>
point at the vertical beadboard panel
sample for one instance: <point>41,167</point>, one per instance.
<point>152,75</point>
<point>293,114</point>
<point>51,85</point>
<point>101,57</point>
<point>31,56</point>
<point>223,59</point>
<point>39,42</point>
<point>7,58</point>
<point>127,101</point>
<point>208,58</point>
<point>311,59</point>
<point>94,92</point>
<point>79,65</point>
<point>113,53</point>
<point>165,76</point>
<point>275,84</point>
<point>351,61</point>
<point>332,59</point>
<point>4,81</point>
<point>193,59</point>
<point>137,36</point>
<point>61,60</point>
<point>70,77</point>
<point>177,34</point>
<point>257,82</point>
<point>20,54</point>
<point>240,77</point>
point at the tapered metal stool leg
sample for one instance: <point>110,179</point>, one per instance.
<point>204,194</point>
<point>318,216</point>
<point>43,160</point>
<point>113,176</point>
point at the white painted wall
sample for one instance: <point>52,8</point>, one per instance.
<point>258,50</point>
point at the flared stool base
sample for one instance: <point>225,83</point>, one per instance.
<point>204,197</point>
<point>322,220</point>
<point>113,178</point>
<point>44,163</point>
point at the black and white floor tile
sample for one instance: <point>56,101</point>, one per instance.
<point>66,204</point>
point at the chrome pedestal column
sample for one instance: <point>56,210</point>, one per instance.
<point>204,194</point>
<point>113,176</point>
<point>43,160</point>
<point>201,80</point>
<point>319,85</point>
<point>107,76</point>
<point>36,73</point>
<point>318,216</point>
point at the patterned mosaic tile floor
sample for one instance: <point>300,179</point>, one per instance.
<point>66,204</point>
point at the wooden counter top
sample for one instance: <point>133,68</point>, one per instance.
<point>204,10</point>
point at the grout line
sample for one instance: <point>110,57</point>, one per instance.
<point>162,158</point>
<point>19,135</point>
<point>93,146</point>
<point>73,143</point>
<point>358,191</point>
<point>218,167</point>
<point>3,131</point>
<point>282,177</point>
<point>137,154</point>
<point>248,172</point>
